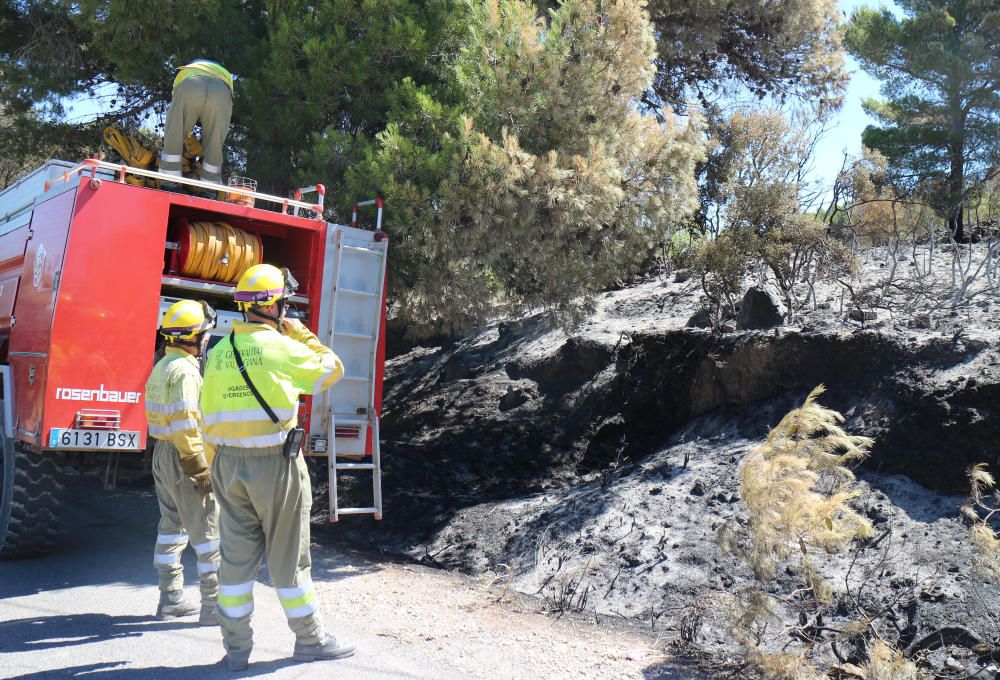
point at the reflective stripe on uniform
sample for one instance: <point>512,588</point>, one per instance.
<point>208,167</point>
<point>166,558</point>
<point>171,157</point>
<point>236,601</point>
<point>172,539</point>
<point>207,568</point>
<point>175,407</point>
<point>175,173</point>
<point>297,601</point>
<point>205,547</point>
<point>288,368</point>
<point>247,416</point>
<point>179,426</point>
<point>320,385</point>
<point>259,442</point>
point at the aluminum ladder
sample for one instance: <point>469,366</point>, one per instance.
<point>358,281</point>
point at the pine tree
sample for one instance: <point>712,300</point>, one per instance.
<point>940,122</point>
<point>781,48</point>
<point>544,181</point>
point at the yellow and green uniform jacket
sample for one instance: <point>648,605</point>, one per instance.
<point>204,67</point>
<point>281,367</point>
<point>172,395</point>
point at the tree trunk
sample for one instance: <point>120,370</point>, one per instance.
<point>956,177</point>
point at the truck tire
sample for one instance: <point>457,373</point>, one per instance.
<point>31,501</point>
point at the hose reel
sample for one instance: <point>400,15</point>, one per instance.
<point>216,251</point>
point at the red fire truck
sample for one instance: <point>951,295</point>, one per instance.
<point>88,261</point>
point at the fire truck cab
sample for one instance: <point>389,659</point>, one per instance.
<point>88,262</point>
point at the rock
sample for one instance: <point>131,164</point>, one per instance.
<point>861,315</point>
<point>700,319</point>
<point>761,308</point>
<point>513,398</point>
<point>682,275</point>
<point>698,489</point>
<point>920,321</point>
<point>728,327</point>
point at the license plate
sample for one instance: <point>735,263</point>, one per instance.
<point>93,439</point>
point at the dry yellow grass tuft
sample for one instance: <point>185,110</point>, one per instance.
<point>982,509</point>
<point>797,487</point>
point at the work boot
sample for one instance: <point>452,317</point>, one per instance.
<point>207,616</point>
<point>173,605</point>
<point>329,648</point>
<point>237,661</point>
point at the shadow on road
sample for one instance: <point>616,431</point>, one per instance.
<point>49,632</point>
<point>120,669</point>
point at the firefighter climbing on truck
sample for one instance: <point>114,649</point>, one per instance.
<point>203,92</point>
<point>181,463</point>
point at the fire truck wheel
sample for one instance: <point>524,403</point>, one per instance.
<point>30,503</point>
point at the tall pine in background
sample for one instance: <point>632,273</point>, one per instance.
<point>939,124</point>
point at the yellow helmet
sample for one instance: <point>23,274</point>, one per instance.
<point>264,284</point>
<point>185,319</point>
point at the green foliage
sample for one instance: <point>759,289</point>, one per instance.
<point>326,84</point>
<point>788,47</point>
<point>514,145</point>
<point>940,122</point>
<point>545,183</point>
<point>760,214</point>
<point>722,264</point>
<point>113,49</point>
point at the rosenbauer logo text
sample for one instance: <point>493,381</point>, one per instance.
<point>100,394</point>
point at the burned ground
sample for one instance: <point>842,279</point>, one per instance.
<point>594,468</point>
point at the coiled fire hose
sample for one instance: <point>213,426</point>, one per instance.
<point>134,153</point>
<point>129,148</point>
<point>216,251</point>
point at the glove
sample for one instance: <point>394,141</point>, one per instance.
<point>295,329</point>
<point>202,482</point>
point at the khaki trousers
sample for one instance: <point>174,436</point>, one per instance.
<point>197,98</point>
<point>264,503</point>
<point>184,515</point>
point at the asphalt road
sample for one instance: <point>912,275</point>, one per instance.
<point>85,611</point>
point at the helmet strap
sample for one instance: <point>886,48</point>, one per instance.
<point>276,318</point>
<point>195,345</point>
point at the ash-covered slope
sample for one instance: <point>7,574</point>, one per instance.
<point>594,468</point>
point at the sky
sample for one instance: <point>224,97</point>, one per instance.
<point>848,124</point>
<point>844,133</point>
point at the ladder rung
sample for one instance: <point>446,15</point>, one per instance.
<point>357,511</point>
<point>349,420</point>
<point>355,466</point>
<point>351,291</point>
<point>356,378</point>
<point>359,249</point>
<point>349,334</point>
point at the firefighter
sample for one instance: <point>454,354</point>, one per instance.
<point>260,479</point>
<point>181,463</point>
<point>203,91</point>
